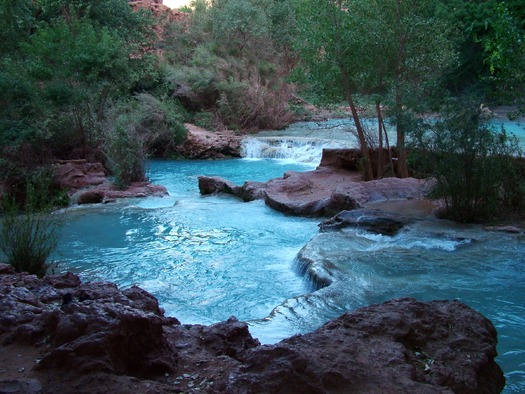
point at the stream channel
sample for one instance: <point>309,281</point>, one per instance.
<point>208,258</point>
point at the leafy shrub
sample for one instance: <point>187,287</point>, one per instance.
<point>125,154</point>
<point>205,120</point>
<point>231,59</point>
<point>136,128</point>
<point>159,122</point>
<point>475,165</point>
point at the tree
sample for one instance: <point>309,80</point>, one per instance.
<point>326,44</point>
<point>420,53</point>
<point>78,67</point>
<point>227,63</point>
<point>16,20</point>
<point>392,50</point>
<point>491,60</point>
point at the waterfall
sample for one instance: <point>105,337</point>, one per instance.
<point>296,149</point>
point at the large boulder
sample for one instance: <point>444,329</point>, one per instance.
<point>108,192</point>
<point>334,186</point>
<point>87,183</point>
<point>216,185</point>
<point>59,335</point>
<point>94,327</point>
<point>401,346</point>
<point>327,191</point>
<point>204,144</point>
<point>77,174</point>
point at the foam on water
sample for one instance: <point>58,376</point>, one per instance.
<point>294,150</point>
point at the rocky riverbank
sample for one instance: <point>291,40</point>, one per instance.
<point>336,185</point>
<point>88,183</point>
<point>60,335</point>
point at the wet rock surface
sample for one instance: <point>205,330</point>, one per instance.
<point>374,221</point>
<point>60,335</point>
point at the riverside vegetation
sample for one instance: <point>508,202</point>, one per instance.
<point>100,81</point>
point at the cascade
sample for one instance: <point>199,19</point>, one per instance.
<point>296,149</point>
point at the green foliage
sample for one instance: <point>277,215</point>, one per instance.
<point>204,119</point>
<point>125,152</point>
<point>16,19</point>
<point>159,123</point>
<point>229,63</point>
<point>62,66</point>
<point>475,166</point>
<point>491,48</point>
<point>28,239</point>
<point>393,52</point>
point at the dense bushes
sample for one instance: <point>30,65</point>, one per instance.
<point>477,167</point>
<point>231,62</point>
<point>139,127</point>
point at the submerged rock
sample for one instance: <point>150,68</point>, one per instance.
<point>79,335</point>
<point>373,221</point>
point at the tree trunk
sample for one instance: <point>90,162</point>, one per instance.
<point>402,167</point>
<point>369,171</point>
<point>389,149</point>
<point>380,165</point>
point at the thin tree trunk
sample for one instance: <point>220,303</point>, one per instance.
<point>369,171</point>
<point>82,131</point>
<point>402,167</point>
<point>380,153</point>
<point>388,147</point>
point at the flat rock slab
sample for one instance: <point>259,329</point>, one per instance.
<point>60,335</point>
<point>108,192</point>
<point>322,192</point>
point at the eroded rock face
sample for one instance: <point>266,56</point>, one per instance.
<point>204,144</point>
<point>78,174</point>
<point>401,346</point>
<point>93,337</point>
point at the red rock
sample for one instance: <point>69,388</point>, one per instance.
<point>77,174</point>
<point>204,144</point>
<point>108,193</point>
<point>215,185</point>
<point>121,339</point>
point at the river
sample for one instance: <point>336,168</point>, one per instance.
<point>208,258</point>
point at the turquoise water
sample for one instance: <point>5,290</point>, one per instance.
<point>208,258</point>
<point>204,258</point>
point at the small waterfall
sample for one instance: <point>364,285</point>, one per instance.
<point>296,149</point>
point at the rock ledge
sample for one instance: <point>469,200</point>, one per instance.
<point>61,335</point>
